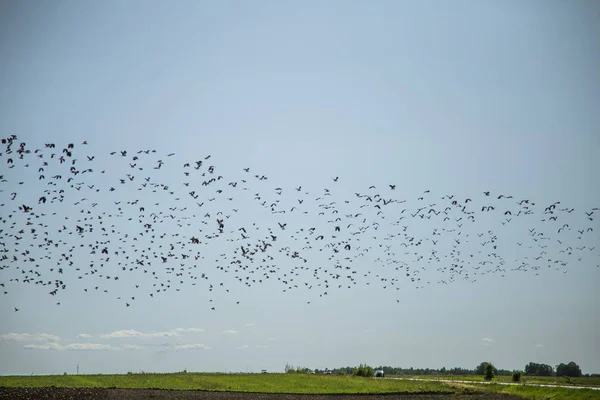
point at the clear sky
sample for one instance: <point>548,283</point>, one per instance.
<point>458,98</point>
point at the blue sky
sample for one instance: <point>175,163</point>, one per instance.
<point>456,98</point>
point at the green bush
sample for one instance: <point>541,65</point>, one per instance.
<point>480,370</point>
<point>289,369</point>
<point>516,376</point>
<point>364,370</point>
<point>489,372</point>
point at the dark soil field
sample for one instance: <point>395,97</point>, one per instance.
<point>141,394</point>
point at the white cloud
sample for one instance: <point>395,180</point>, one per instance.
<point>192,347</point>
<point>88,346</point>
<point>84,336</point>
<point>180,346</point>
<point>132,347</point>
<point>539,346</point>
<point>249,325</point>
<point>29,337</point>
<point>272,338</point>
<point>194,330</point>
<point>261,346</point>
<point>244,346</point>
<point>487,341</point>
<point>70,347</point>
<point>130,333</point>
<point>48,346</point>
<point>229,332</point>
<point>176,346</point>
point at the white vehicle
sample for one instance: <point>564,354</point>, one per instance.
<point>379,373</point>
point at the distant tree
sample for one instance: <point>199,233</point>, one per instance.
<point>516,376</point>
<point>489,372</point>
<point>571,369</point>
<point>574,369</point>
<point>461,371</point>
<point>480,370</point>
<point>535,369</point>
<point>364,370</point>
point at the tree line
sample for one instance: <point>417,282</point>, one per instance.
<point>570,369</point>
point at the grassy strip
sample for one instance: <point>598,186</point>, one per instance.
<point>258,383</point>
<point>543,393</point>
<point>544,380</point>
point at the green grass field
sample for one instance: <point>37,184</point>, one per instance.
<point>544,393</point>
<point>545,380</point>
<point>528,391</point>
<point>265,383</point>
<point>300,384</point>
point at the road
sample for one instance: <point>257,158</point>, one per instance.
<point>498,383</point>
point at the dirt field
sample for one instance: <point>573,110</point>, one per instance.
<point>140,394</point>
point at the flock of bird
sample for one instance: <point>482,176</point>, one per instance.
<point>71,219</point>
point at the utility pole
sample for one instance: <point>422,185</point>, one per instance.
<point>77,369</point>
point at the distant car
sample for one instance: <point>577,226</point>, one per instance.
<point>379,373</point>
<point>264,371</point>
